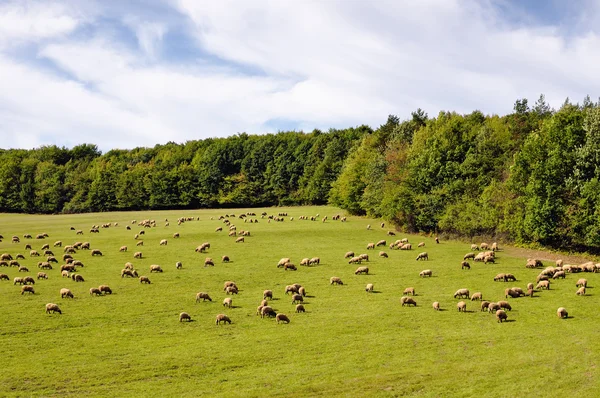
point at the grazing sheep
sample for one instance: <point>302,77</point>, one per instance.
<point>581,282</point>
<point>370,246</point>
<point>222,318</point>
<point>28,280</point>
<point>510,292</point>
<point>268,294</point>
<point>314,261</point>
<point>484,246</point>
<point>65,274</point>
<point>305,261</point>
<point>335,280</point>
<point>426,272</point>
<point>5,277</point>
<point>297,298</point>
<point>436,305</point>
<point>178,265</point>
<point>500,277</point>
<point>105,289</point>
<point>228,284</point>
<point>77,278</point>
<point>543,285</point>
<point>123,249</point>
<point>155,268</point>
<point>176,235</point>
<point>264,303</point>
<point>300,308</point>
<point>96,291</point>
<point>289,266</point>
<point>96,252</point>
<point>495,247</point>
<point>533,263</point>
<point>364,257</point>
<point>469,256</point>
<point>291,289</point>
<point>391,233</point>
<point>282,318</point>
<point>225,259</point>
<point>23,269</point>
<point>64,292</point>
<point>51,307</point>
<point>461,306</point>
<point>203,296</point>
<point>369,288</point>
<point>163,242</point>
<point>493,307</point>
<point>184,316</point>
<point>231,290</point>
<point>32,253</point>
<point>46,247</point>
<point>477,296</point>
<point>559,274</point>
<point>383,254</point>
<point>501,316</point>
<point>559,263</point>
<point>562,313</point>
<point>302,291</point>
<point>463,293</point>
<point>484,305</point>
<point>381,243</point>
<point>20,257</point>
<point>488,259</point>
<point>239,240</point>
<point>421,244</point>
<point>145,279</point>
<point>227,302</point>
<point>267,311</point>
<point>355,260</point>
<point>362,270</point>
<point>465,265</point>
<point>349,255</point>
<point>137,255</point>
<point>530,286</point>
<point>510,277</point>
<point>409,290</point>
<point>581,291</point>
<point>505,304</point>
<point>382,225</point>
<point>129,273</point>
<point>423,256</point>
<point>283,262</point>
<point>408,301</point>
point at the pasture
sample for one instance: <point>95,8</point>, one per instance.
<point>347,343</point>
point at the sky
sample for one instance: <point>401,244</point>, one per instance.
<point>124,74</point>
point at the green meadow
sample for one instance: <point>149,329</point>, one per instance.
<point>347,343</point>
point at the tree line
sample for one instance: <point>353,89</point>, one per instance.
<point>531,176</point>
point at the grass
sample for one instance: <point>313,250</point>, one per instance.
<point>348,343</point>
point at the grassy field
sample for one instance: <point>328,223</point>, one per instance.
<point>348,343</point>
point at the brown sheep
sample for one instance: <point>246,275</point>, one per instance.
<point>28,280</point>
<point>530,286</point>
<point>227,302</point>
<point>64,292</point>
<point>436,305</point>
<point>421,244</point>
<point>282,318</point>
<point>129,273</point>
<point>500,277</point>
<point>383,254</point>
<point>5,277</point>
<point>501,316</point>
<point>96,291</point>
<point>289,266</point>
<point>477,296</point>
<point>58,243</point>
<point>219,229</point>
<point>580,291</point>
<point>268,294</point>
<point>231,290</point>
<point>176,235</point>
<point>203,296</point>
<point>510,292</point>
<point>225,259</point>
<point>27,289</point>
<point>228,284</point>
<point>543,285</point>
<point>283,262</point>
<point>267,311</point>
<point>462,293</point>
<point>137,255</point>
<point>46,247</point>
<point>369,288</point>
<point>465,265</point>
<point>264,303</point>
<point>145,279</point>
<point>32,253</point>
<point>408,301</point>
<point>505,304</point>
<point>355,260</point>
<point>163,242</point>
<point>581,283</point>
<point>105,289</point>
<point>461,306</point>
<point>484,305</point>
<point>381,243</point>
<point>291,289</point>
<point>297,298</point>
<point>184,316</point>
<point>65,274</point>
<point>123,249</point>
<point>222,318</point>
<point>510,277</point>
<point>362,270</point>
<point>77,278</point>
<point>304,261</point>
<point>18,280</point>
<point>300,308</point>
<point>426,272</point>
<point>349,255</point>
<point>51,307</point>
<point>493,307</point>
<point>23,269</point>
<point>96,252</point>
<point>562,313</point>
<point>335,280</point>
<point>423,256</point>
<point>409,290</point>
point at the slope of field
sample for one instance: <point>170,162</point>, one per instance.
<point>348,343</point>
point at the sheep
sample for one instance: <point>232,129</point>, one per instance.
<point>105,289</point>
<point>381,243</point>
<point>32,253</point>
<point>123,249</point>
<point>368,226</point>
<point>232,290</point>
<point>421,244</point>
<point>129,273</point>
<point>297,298</point>
<point>335,280</point>
<point>315,261</point>
<point>96,252</point>
<point>510,277</point>
<point>302,291</point>
<point>178,265</point>
<point>505,304</point>
<point>145,279</point>
<point>176,235</point>
<point>5,277</point>
<point>23,269</point>
<point>64,292</point>
<point>51,307</point>
<point>239,240</point>
<point>163,242</point>
<point>129,266</point>
<point>541,278</point>
<point>543,285</point>
<point>227,302</point>
<point>493,307</point>
<point>562,313</point>
<point>267,311</point>
<point>484,305</point>
<point>289,266</point>
<point>15,239</point>
<point>349,255</point>
<point>362,270</point>
<point>203,296</point>
<point>382,225</point>
<point>51,259</point>
<point>425,272</point>
<point>363,257</point>
<point>370,246</point>
<point>283,262</point>
<point>225,259</point>
<point>137,255</point>
<point>461,306</point>
<point>369,288</point>
<point>20,257</point>
<point>462,293</point>
<point>291,289</point>
<point>501,316</point>
<point>86,246</point>
<point>408,301</point>
<point>228,284</point>
<point>436,305</point>
<point>28,280</point>
<point>581,283</point>
<point>264,303</point>
<point>222,318</point>
<point>95,290</point>
<point>383,254</point>
<point>282,318</point>
<point>46,247</point>
<point>406,246</point>
<point>304,261</point>
<point>391,233</point>
<point>423,256</point>
<point>77,278</point>
<point>300,308</point>
<point>155,268</point>
<point>495,247</point>
<point>409,290</point>
<point>465,265</point>
<point>530,286</point>
<point>477,296</point>
<point>469,256</point>
<point>268,294</point>
<point>184,316</point>
<point>500,277</point>
<point>580,291</point>
<point>355,260</point>
<point>559,274</point>
<point>533,263</point>
<point>66,257</point>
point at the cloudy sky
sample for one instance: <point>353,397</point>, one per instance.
<point>122,74</point>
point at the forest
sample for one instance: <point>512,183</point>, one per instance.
<point>531,176</point>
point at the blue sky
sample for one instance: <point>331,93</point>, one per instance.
<point>122,74</point>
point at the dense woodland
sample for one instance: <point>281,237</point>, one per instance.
<point>531,176</point>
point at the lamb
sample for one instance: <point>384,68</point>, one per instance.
<point>184,316</point>
<point>163,242</point>
<point>562,313</point>
<point>222,318</point>
<point>64,292</point>
<point>137,255</point>
<point>297,298</point>
<point>423,256</point>
<point>95,290</point>
<point>145,279</point>
<point>349,255</point>
<point>501,316</point>
<point>409,290</point>
<point>51,307</point>
<point>96,252</point>
<point>268,294</point>
<point>484,305</point>
<point>543,285</point>
<point>335,280</point>
<point>581,283</point>
<point>362,270</point>
<point>383,254</point>
<point>203,296</point>
<point>300,308</point>
<point>465,265</point>
<point>426,272</point>
<point>581,291</point>
<point>461,306</point>
<point>436,305</point>
<point>227,302</point>
<point>505,305</point>
<point>408,301</point>
<point>477,296</point>
<point>105,289</point>
<point>462,293</point>
<point>282,318</point>
<point>369,288</point>
<point>123,249</point>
